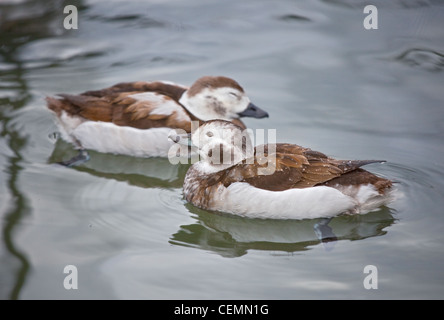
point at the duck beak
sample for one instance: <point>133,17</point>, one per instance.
<point>254,112</point>
<point>183,139</point>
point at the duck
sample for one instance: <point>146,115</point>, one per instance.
<point>276,180</point>
<point>134,118</point>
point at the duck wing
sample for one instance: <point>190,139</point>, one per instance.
<point>141,105</point>
<point>174,91</point>
<point>284,166</point>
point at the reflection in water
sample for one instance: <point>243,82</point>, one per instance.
<point>325,233</point>
<point>141,172</point>
<point>18,206</point>
<point>232,236</point>
<point>17,203</point>
<point>18,209</point>
<point>20,23</point>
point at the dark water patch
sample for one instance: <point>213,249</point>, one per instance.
<point>131,20</point>
<point>293,18</point>
<point>161,60</point>
<point>425,59</point>
<point>55,52</point>
<point>25,21</point>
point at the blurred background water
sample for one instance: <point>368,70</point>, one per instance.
<point>327,83</point>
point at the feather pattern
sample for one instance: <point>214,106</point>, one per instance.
<point>147,106</point>
<point>299,173</point>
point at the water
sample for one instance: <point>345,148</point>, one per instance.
<point>327,83</point>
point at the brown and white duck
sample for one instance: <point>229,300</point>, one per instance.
<point>279,181</point>
<point>135,118</point>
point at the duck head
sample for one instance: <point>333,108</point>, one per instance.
<point>219,98</point>
<point>220,143</point>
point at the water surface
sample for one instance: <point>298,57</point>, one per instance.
<point>327,83</point>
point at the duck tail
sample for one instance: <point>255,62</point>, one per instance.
<point>350,165</point>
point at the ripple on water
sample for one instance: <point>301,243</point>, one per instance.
<point>294,18</point>
<point>416,186</point>
<point>130,20</point>
<point>426,59</point>
<point>50,52</point>
<point>120,208</point>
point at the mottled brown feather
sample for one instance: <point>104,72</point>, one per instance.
<point>91,108</point>
<point>114,104</point>
<point>170,90</point>
<point>298,167</point>
<point>358,177</point>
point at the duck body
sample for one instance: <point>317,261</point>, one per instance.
<point>134,118</point>
<point>302,184</point>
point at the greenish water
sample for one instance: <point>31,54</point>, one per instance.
<point>327,83</point>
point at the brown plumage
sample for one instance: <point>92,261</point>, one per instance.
<point>212,82</point>
<point>295,167</point>
<point>135,118</point>
<point>298,167</point>
<point>299,182</point>
<point>115,104</point>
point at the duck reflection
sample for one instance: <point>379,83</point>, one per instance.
<point>232,236</point>
<point>21,22</point>
<point>141,172</point>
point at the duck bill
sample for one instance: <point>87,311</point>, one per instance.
<point>254,112</point>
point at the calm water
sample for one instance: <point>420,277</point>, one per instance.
<point>328,84</point>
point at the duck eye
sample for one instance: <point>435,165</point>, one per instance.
<point>209,134</point>
<point>234,95</point>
